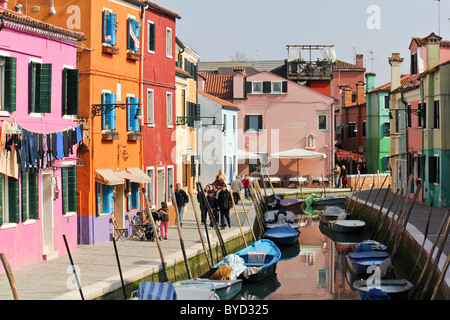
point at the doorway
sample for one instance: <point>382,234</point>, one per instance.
<point>48,245</point>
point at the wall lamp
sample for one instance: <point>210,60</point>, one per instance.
<point>104,108</point>
<point>417,112</point>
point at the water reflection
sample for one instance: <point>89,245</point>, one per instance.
<point>316,268</point>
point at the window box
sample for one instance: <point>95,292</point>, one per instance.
<point>134,135</point>
<point>110,135</point>
<point>110,50</point>
<point>132,55</point>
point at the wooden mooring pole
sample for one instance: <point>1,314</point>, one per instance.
<point>379,212</point>
<point>385,215</point>
<point>423,243</point>
<point>12,281</point>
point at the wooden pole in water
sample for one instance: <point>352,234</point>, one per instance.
<point>255,204</point>
<point>357,197</point>
<point>203,196</point>
<point>323,185</point>
<point>437,258</point>
<point>73,267</point>
<point>263,200</point>
<point>386,215</point>
<point>379,212</point>
<point>248,219</point>
<point>441,278</point>
<point>239,221</point>
<point>264,183</point>
<point>365,204</point>
<point>423,242</point>
<point>393,217</point>
<point>199,228</point>
<point>158,244</point>
<point>353,193</point>
<point>120,270</point>
<point>12,281</point>
<point>376,197</point>
<point>430,255</point>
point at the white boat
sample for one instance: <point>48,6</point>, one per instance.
<point>225,289</point>
<point>195,292</point>
<point>347,226</point>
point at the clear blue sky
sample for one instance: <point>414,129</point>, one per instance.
<point>261,29</point>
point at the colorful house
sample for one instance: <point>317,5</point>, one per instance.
<point>187,116</point>
<point>38,101</point>
<point>110,165</point>
<point>218,138</point>
<point>159,100</point>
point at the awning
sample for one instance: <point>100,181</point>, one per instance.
<point>347,155</point>
<point>128,176</point>
<point>139,174</point>
<point>107,176</point>
<point>242,154</point>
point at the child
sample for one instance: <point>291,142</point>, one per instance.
<point>164,213</point>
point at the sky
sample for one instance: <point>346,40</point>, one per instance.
<point>261,29</point>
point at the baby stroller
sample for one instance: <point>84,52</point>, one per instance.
<point>148,229</point>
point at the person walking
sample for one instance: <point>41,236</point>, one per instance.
<point>246,184</point>
<point>236,187</point>
<point>337,175</point>
<point>201,201</point>
<point>214,205</point>
<point>344,176</point>
<point>224,206</point>
<point>182,200</point>
<point>164,214</point>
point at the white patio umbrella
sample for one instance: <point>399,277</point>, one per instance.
<point>242,154</point>
<point>298,153</point>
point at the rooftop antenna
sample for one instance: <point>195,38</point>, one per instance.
<point>439,16</point>
<point>371,58</point>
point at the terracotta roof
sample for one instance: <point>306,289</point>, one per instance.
<point>23,22</point>
<point>423,41</point>
<point>404,80</point>
<point>163,10</point>
<point>342,65</point>
<point>218,100</point>
<point>220,86</point>
<point>183,72</point>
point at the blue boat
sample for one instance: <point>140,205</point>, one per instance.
<point>225,289</point>
<point>282,235</point>
<point>259,260</point>
<point>359,262</point>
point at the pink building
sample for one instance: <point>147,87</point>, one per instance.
<point>276,115</point>
<point>38,107</point>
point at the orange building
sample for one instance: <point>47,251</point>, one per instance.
<point>111,161</point>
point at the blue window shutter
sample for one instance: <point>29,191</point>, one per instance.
<point>105,29</point>
<point>111,115</point>
<point>108,198</point>
<point>128,114</point>
<point>111,199</point>
<point>113,29</point>
<point>135,196</point>
<point>129,39</point>
<point>103,111</point>
<point>133,109</point>
<point>133,29</point>
<point>110,35</point>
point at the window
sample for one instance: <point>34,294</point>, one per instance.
<point>385,164</point>
<point>151,39</point>
<point>150,107</point>
<point>234,124</point>
<point>193,113</point>
<point>151,187</point>
<point>169,107</point>
<point>322,122</point>
<point>277,87</point>
<point>109,31</point>
<point>414,63</point>
<point>133,38</point>
<point>225,171</point>
<point>169,43</point>
<point>387,129</point>
<point>8,71</point>
<point>424,115</point>
<point>134,196</point>
<point>30,195</point>
<point>433,169</point>
<point>70,91</point>
<point>257,87</point>
<point>436,114</point>
<point>351,130</point>
<point>364,128</point>
<point>40,88</point>
<point>419,116</point>
<point>408,116</point>
<point>69,189</point>
<point>9,196</point>
<point>310,141</point>
<point>105,199</point>
<point>109,117</point>
<point>170,183</point>
<point>387,101</point>
<point>253,122</point>
<point>225,129</point>
<point>133,105</point>
<point>160,189</point>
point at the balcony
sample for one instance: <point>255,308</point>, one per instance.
<point>319,65</point>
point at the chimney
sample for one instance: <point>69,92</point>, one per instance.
<point>238,82</point>
<point>4,4</point>
<point>19,8</point>
<point>370,81</point>
<point>360,92</point>
<point>359,60</point>
<point>433,43</point>
<point>395,61</point>
<point>347,99</point>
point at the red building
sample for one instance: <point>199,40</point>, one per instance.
<point>158,107</point>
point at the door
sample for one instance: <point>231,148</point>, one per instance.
<point>119,206</point>
<point>160,189</point>
<point>47,213</point>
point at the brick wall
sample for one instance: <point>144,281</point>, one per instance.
<point>369,179</point>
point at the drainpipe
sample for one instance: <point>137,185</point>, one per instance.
<point>408,162</point>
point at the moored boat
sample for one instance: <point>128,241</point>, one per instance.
<point>287,204</point>
<point>225,289</point>
<point>396,289</point>
<point>259,260</point>
<point>280,217</point>
<point>347,226</point>
<point>282,235</point>
<point>328,200</point>
<point>334,213</point>
<point>359,262</point>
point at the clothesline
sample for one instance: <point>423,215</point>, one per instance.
<point>15,126</point>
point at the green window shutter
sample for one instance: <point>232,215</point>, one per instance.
<point>65,190</point>
<point>24,196</point>
<point>72,188</point>
<point>152,36</point>
<point>33,195</point>
<point>45,88</point>
<point>285,86</point>
<point>267,87</point>
<point>248,87</point>
<point>13,200</point>
<point>34,71</point>
<point>72,90</point>
<point>247,122</point>
<point>10,83</point>
<point>260,124</point>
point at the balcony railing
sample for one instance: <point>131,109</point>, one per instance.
<point>309,70</point>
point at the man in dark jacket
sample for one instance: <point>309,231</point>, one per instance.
<point>182,200</point>
<point>225,205</point>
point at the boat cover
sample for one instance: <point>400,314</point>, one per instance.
<point>282,232</point>
<point>156,291</point>
<point>375,294</point>
<point>368,254</point>
<point>237,265</point>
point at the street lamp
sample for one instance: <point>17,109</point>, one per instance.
<point>104,108</point>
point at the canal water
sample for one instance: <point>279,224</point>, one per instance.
<point>313,269</point>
